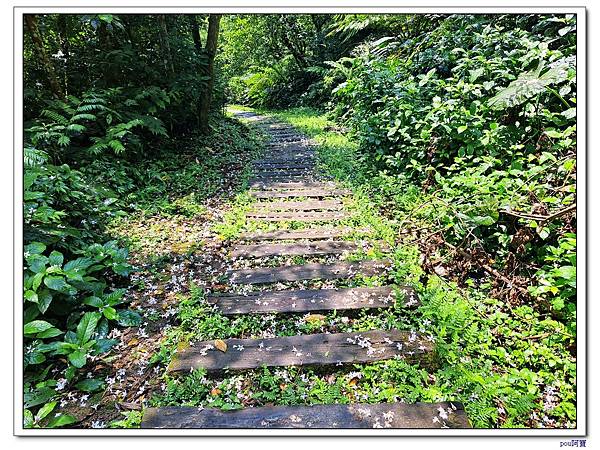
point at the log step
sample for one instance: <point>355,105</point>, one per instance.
<point>305,350</point>
<point>308,193</point>
<point>309,271</point>
<point>293,249</point>
<point>356,415</point>
<point>329,205</point>
<point>306,300</point>
<point>297,216</point>
<point>308,233</point>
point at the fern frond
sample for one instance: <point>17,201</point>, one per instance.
<point>33,157</point>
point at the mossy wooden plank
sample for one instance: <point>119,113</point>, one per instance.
<point>309,271</point>
<point>356,415</point>
<point>306,350</point>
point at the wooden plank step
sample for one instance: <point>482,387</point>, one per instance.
<point>283,166</point>
<point>278,173</point>
<point>306,350</point>
<point>308,193</point>
<point>298,216</point>
<point>316,271</point>
<point>264,183</point>
<point>300,301</point>
<point>293,185</point>
<point>307,233</point>
<point>296,248</point>
<point>355,415</point>
<point>299,205</point>
<point>284,161</point>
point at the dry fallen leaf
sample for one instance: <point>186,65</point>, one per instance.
<point>221,345</point>
<point>215,391</point>
<point>315,318</point>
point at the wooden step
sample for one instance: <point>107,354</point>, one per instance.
<point>279,173</point>
<point>302,248</point>
<point>308,193</point>
<point>307,233</point>
<point>300,301</point>
<point>293,185</point>
<point>277,162</point>
<point>355,415</point>
<point>323,205</point>
<point>309,271</point>
<point>283,166</point>
<point>264,183</point>
<point>298,216</point>
<point>305,350</point>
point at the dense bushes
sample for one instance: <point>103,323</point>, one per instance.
<point>481,112</point>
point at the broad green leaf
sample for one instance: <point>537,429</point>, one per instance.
<point>45,410</point>
<point>60,420</point>
<point>78,358</point>
<point>44,300</point>
<point>128,318</point>
<point>86,326</point>
<point>35,248</point>
<point>51,332</point>
<point>56,258</point>
<point>37,326</point>
<point>56,283</point>
<point>27,419</point>
<point>90,385</point>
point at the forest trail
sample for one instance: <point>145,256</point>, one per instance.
<point>286,187</point>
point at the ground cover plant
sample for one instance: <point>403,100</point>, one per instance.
<point>455,135</point>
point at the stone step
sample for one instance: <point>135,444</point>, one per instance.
<point>307,233</point>
<point>293,249</point>
<point>354,415</point>
<point>324,349</point>
<point>322,205</point>
<point>301,301</point>
<point>316,271</point>
<point>298,216</point>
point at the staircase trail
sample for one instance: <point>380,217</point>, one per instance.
<point>286,188</point>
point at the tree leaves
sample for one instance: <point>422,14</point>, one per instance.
<point>531,83</point>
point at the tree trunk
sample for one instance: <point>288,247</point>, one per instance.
<point>38,43</point>
<point>166,47</point>
<point>211,50</point>
<point>195,33</point>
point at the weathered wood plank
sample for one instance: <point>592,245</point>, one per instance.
<point>293,185</point>
<point>356,415</point>
<point>308,233</point>
<point>265,183</point>
<point>284,161</point>
<point>299,301</point>
<point>306,350</point>
<point>298,216</point>
<point>278,173</point>
<point>309,271</point>
<point>302,248</point>
<point>322,205</point>
<point>284,166</point>
<point>308,193</point>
